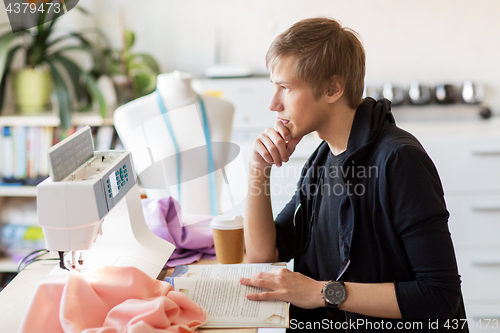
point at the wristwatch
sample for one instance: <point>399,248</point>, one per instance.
<point>334,294</point>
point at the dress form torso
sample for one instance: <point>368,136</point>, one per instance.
<point>142,129</point>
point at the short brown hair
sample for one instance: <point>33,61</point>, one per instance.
<point>323,49</point>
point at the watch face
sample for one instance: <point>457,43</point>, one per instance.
<point>334,293</point>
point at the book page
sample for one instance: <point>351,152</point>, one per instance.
<point>225,272</point>
<point>227,306</point>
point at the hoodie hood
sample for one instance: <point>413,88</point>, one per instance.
<point>368,121</point>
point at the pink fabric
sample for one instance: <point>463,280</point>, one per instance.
<point>110,300</point>
<point>191,234</point>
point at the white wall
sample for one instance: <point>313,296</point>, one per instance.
<point>428,40</point>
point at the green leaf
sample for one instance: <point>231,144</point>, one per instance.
<point>62,95</point>
<point>69,48</point>
<point>51,25</point>
<point>83,10</point>
<point>141,83</point>
<point>146,58</point>
<point>144,82</point>
<point>6,72</point>
<point>114,67</point>
<point>5,42</point>
<point>100,52</point>
<point>72,35</point>
<point>75,74</point>
<point>89,84</point>
<point>129,39</point>
<point>96,94</point>
<point>139,67</point>
<point>57,40</point>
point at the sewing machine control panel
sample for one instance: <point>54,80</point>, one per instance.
<point>111,174</point>
<point>118,180</point>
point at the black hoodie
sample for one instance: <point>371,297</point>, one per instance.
<point>394,228</point>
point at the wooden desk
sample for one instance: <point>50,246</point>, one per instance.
<point>15,298</point>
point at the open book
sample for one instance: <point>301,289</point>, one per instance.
<point>216,288</point>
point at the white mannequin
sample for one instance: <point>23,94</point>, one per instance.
<point>142,129</point>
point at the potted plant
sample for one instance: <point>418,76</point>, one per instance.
<point>139,69</point>
<point>45,66</point>
<point>133,74</point>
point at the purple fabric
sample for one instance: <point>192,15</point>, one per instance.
<point>191,234</point>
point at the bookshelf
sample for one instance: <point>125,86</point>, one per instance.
<point>51,119</point>
<point>8,118</point>
<point>17,191</point>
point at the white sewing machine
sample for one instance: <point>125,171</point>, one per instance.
<point>82,199</point>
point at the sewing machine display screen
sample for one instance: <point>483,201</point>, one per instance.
<point>113,181</point>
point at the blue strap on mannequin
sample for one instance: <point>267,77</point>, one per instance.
<point>206,129</point>
<point>211,169</point>
<point>174,141</point>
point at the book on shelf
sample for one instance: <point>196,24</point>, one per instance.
<point>47,139</point>
<point>104,138</point>
<point>216,288</point>
<point>20,160</point>
<point>31,151</point>
<point>117,143</point>
<point>22,155</point>
<point>7,153</point>
<point>19,232</point>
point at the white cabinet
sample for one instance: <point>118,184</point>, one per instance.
<point>469,163</point>
<point>250,97</point>
<point>480,272</point>
<point>475,221</point>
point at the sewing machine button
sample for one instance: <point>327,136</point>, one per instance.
<point>109,185</point>
<point>107,181</point>
<point>127,179</point>
<point>118,187</point>
<point>111,195</point>
<point>124,166</point>
<point>126,175</point>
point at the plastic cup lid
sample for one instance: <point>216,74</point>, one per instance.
<point>227,222</point>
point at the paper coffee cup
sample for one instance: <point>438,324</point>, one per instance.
<point>228,238</point>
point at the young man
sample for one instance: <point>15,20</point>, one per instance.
<point>367,226</point>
